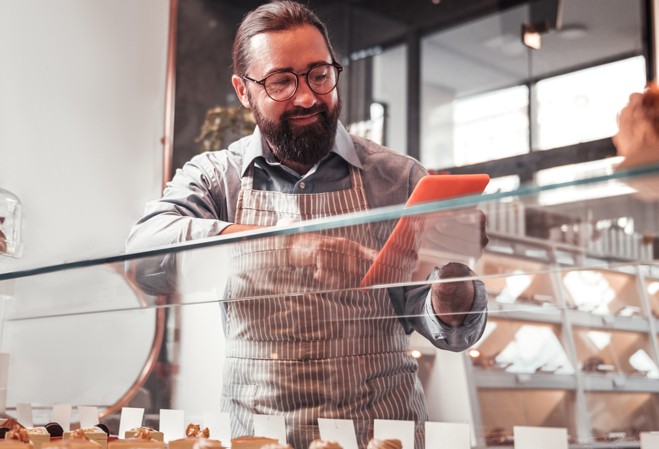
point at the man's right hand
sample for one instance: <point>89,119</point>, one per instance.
<point>337,262</point>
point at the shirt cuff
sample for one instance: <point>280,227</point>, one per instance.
<point>471,328</point>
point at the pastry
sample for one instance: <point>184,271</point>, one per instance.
<point>154,434</point>
<point>92,433</point>
<point>12,424</point>
<point>207,443</point>
<point>248,442</point>
<point>277,446</point>
<point>38,436</point>
<point>323,444</point>
<point>193,434</point>
<point>384,444</point>
<point>141,440</point>
<point>16,439</point>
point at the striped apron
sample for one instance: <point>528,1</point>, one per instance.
<point>290,351</point>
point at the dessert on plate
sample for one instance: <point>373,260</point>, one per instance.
<point>92,433</point>
<point>384,444</point>
<point>195,435</point>
<point>141,440</point>
<point>249,442</point>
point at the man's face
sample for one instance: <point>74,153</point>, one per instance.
<point>302,128</point>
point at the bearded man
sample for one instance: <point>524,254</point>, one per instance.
<point>309,343</point>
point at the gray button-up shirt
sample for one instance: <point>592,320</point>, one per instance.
<point>200,201</point>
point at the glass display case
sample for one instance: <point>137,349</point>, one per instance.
<point>571,338</point>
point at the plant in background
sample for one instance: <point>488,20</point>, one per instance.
<point>224,125</point>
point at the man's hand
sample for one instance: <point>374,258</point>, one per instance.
<point>452,301</point>
<point>337,262</point>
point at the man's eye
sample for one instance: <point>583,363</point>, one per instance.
<point>279,82</point>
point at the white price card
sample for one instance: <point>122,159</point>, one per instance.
<point>388,429</point>
<point>527,437</point>
<point>131,417</point>
<point>61,414</point>
<point>443,434</point>
<point>24,414</point>
<point>88,416</point>
<point>219,426</point>
<point>270,426</point>
<point>649,440</point>
<point>172,424</point>
<point>341,431</point>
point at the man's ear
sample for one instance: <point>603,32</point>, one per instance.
<point>241,90</point>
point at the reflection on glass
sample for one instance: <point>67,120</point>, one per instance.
<point>520,282</point>
<point>621,416</point>
<point>652,288</point>
<point>616,352</point>
<point>518,347</point>
<point>503,409</point>
<point>602,293</point>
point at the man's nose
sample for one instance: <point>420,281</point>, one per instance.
<point>304,96</point>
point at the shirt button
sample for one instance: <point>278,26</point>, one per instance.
<point>302,185</point>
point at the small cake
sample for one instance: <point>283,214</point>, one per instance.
<point>16,439</point>
<point>75,440</point>
<point>38,436</point>
<point>141,440</point>
<point>248,442</point>
<point>277,446</point>
<point>193,434</point>
<point>155,435</point>
<point>323,444</point>
<point>11,424</point>
<point>92,433</point>
<point>206,443</point>
<point>384,444</point>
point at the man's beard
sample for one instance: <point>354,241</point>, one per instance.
<point>306,144</point>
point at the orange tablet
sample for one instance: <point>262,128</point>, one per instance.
<point>429,188</point>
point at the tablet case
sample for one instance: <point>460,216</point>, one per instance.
<point>429,188</point>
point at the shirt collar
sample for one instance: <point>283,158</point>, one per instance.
<point>343,147</point>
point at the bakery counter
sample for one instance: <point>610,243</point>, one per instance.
<point>571,287</point>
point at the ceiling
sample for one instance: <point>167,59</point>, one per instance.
<point>471,46</point>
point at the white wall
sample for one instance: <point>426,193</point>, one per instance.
<point>82,89</point>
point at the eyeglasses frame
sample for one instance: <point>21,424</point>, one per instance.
<point>336,65</point>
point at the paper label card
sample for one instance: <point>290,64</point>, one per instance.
<point>219,426</point>
<point>88,416</point>
<point>24,414</point>
<point>649,440</point>
<point>4,369</point>
<point>61,414</point>
<point>387,429</point>
<point>270,426</point>
<point>172,424</point>
<point>131,417</point>
<point>341,431</point>
<point>453,435</point>
<point>540,437</point>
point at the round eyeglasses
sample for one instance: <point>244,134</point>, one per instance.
<point>282,85</point>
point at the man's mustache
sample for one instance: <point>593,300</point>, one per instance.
<point>300,111</point>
